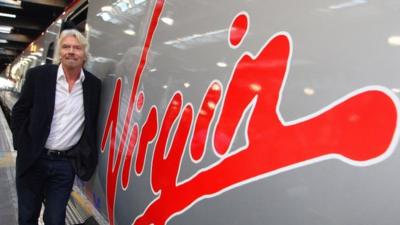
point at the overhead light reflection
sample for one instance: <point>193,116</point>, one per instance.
<point>8,15</point>
<point>13,3</point>
<point>203,112</point>
<point>40,54</point>
<point>104,16</point>
<point>137,2</point>
<point>123,5</point>
<point>186,85</point>
<point>255,87</point>
<point>394,40</point>
<point>5,29</point>
<point>129,32</point>
<point>222,64</point>
<point>216,87</point>
<point>3,41</point>
<point>87,28</point>
<point>165,86</point>
<point>309,91</point>
<point>348,4</point>
<point>106,8</point>
<point>211,105</point>
<point>5,83</point>
<point>167,20</point>
<point>51,32</point>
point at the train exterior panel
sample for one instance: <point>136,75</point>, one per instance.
<point>243,112</point>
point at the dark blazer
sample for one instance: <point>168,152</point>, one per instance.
<point>32,115</point>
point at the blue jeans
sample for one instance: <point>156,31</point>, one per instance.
<point>48,181</point>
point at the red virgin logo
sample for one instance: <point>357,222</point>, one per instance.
<point>359,129</point>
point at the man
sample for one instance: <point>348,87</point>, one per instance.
<point>54,131</point>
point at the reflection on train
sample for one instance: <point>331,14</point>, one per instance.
<point>240,112</point>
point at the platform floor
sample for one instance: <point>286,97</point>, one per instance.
<point>8,196</point>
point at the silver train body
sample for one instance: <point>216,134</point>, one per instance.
<point>241,111</point>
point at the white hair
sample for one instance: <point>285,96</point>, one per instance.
<point>74,33</point>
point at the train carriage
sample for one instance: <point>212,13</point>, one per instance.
<point>241,111</point>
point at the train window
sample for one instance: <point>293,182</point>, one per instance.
<point>78,17</point>
<point>50,53</point>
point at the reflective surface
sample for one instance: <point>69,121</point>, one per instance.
<point>341,64</point>
<point>246,112</point>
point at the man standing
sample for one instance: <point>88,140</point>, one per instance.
<point>54,126</point>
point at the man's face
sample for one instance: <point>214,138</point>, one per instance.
<point>72,54</point>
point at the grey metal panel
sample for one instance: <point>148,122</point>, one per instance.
<point>338,47</point>
<point>342,62</point>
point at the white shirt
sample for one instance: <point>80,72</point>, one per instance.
<point>69,115</point>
